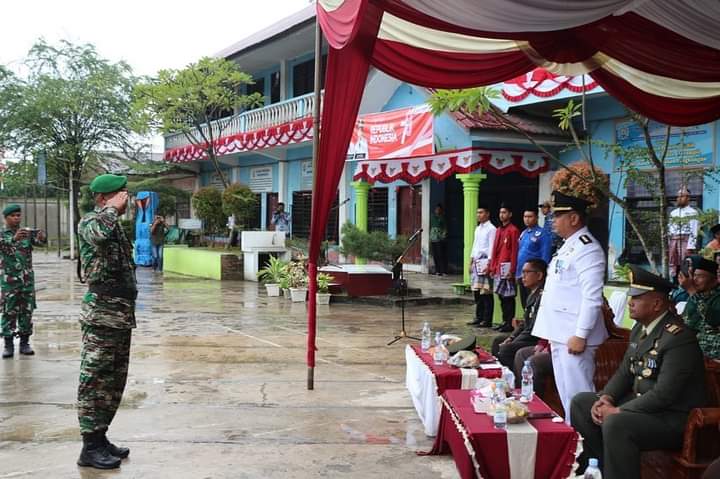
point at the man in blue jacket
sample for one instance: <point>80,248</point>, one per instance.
<point>535,243</point>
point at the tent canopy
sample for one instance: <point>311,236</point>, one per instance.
<point>661,58</point>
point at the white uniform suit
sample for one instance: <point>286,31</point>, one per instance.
<point>571,306</point>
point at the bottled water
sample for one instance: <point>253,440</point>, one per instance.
<point>500,415</point>
<point>426,337</point>
<point>592,471</point>
<point>526,386</point>
<point>509,378</point>
<point>440,355</point>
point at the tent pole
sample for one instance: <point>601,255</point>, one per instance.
<point>316,146</point>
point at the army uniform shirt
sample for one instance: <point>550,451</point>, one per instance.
<point>702,315</point>
<point>18,282</point>
<point>662,371</point>
<point>107,262</point>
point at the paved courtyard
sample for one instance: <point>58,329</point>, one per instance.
<point>217,387</point>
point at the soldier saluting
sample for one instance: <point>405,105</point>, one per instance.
<point>107,319</point>
<point>646,403</point>
<point>18,280</point>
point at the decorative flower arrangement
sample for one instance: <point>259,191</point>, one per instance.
<point>296,275</point>
<point>581,184</point>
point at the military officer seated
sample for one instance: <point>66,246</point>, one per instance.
<point>646,403</point>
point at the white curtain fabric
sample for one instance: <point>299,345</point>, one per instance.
<point>421,385</point>
<point>697,20</point>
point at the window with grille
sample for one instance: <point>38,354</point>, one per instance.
<point>643,200</point>
<point>257,87</point>
<point>378,209</point>
<point>301,214</point>
<point>182,207</point>
<point>304,76</point>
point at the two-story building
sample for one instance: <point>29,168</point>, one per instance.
<point>270,149</point>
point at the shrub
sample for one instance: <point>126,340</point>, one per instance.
<point>207,203</point>
<point>373,246</point>
<point>239,200</point>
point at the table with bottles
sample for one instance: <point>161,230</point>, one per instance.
<point>538,447</point>
<point>426,381</point>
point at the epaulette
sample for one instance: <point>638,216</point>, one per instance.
<point>585,239</point>
<point>673,328</point>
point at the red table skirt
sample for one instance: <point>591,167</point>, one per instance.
<point>555,451</point>
<point>450,377</point>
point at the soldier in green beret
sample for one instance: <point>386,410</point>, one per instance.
<point>646,403</point>
<point>18,281</point>
<point>702,312</point>
<point>107,319</point>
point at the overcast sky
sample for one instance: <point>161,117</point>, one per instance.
<point>148,34</point>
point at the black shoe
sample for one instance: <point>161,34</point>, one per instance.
<point>95,454</point>
<point>9,350</point>
<point>485,324</point>
<point>475,322</point>
<point>121,452</point>
<point>25,346</point>
<point>504,328</point>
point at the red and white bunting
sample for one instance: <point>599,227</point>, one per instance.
<point>442,165</point>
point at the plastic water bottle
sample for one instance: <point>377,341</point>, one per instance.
<point>592,471</point>
<point>439,356</point>
<point>526,385</point>
<point>509,378</point>
<point>426,337</point>
<point>500,415</point>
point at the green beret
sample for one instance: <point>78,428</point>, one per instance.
<point>10,209</point>
<point>108,183</point>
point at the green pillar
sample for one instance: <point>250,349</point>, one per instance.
<point>471,188</point>
<point>362,189</point>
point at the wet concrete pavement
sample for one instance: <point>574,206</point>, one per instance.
<point>217,387</point>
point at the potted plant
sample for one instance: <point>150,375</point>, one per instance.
<point>323,285</point>
<point>297,281</point>
<point>272,274</point>
<point>285,286</point>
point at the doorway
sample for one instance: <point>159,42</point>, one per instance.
<point>409,218</point>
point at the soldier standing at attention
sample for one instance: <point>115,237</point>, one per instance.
<point>107,318</point>
<point>18,281</point>
<point>646,403</point>
<point>570,313</point>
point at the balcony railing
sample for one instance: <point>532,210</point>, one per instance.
<point>271,115</point>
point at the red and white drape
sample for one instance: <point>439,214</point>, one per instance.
<point>659,57</point>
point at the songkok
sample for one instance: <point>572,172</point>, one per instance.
<point>10,209</point>
<point>643,281</point>
<point>562,202</point>
<point>698,262</point>
<point>108,183</point>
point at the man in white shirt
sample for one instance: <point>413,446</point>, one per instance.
<point>480,279</point>
<point>682,231</point>
<point>570,314</point>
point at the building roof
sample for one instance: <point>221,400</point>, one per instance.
<point>528,123</point>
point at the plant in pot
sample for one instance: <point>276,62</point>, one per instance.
<point>272,274</point>
<point>323,285</point>
<point>297,281</point>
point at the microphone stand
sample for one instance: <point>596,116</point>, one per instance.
<point>401,286</point>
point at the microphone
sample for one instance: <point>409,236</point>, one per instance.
<point>415,235</point>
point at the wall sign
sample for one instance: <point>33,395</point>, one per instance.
<point>261,179</point>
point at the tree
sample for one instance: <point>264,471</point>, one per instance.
<point>239,201</point>
<point>68,104</point>
<point>644,164</point>
<point>194,100</point>
<point>207,203</point>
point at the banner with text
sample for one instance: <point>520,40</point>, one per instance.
<point>393,134</point>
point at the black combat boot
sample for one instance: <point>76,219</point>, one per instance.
<point>25,345</point>
<point>9,350</point>
<point>95,454</point>
<point>121,452</point>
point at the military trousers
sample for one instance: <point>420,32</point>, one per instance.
<point>617,444</point>
<point>104,359</point>
<point>17,310</point>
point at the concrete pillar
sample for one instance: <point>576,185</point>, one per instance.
<point>425,235</point>
<point>362,189</point>
<point>471,189</point>
<point>283,80</point>
<point>282,177</point>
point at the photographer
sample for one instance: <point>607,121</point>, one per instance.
<point>18,280</point>
<point>281,219</point>
<point>158,228</point>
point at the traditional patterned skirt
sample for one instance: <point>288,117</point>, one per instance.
<point>480,282</point>
<point>505,287</point>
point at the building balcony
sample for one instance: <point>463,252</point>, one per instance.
<point>258,119</point>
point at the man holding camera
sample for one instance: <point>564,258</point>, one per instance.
<point>18,281</point>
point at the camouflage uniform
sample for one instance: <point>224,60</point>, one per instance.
<point>107,317</point>
<point>17,285</point>
<point>702,314</point>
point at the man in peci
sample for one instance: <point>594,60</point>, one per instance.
<point>18,281</point>
<point>646,403</point>
<point>107,318</point>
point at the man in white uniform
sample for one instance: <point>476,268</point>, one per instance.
<point>682,231</point>
<point>480,280</point>
<point>570,315</point>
